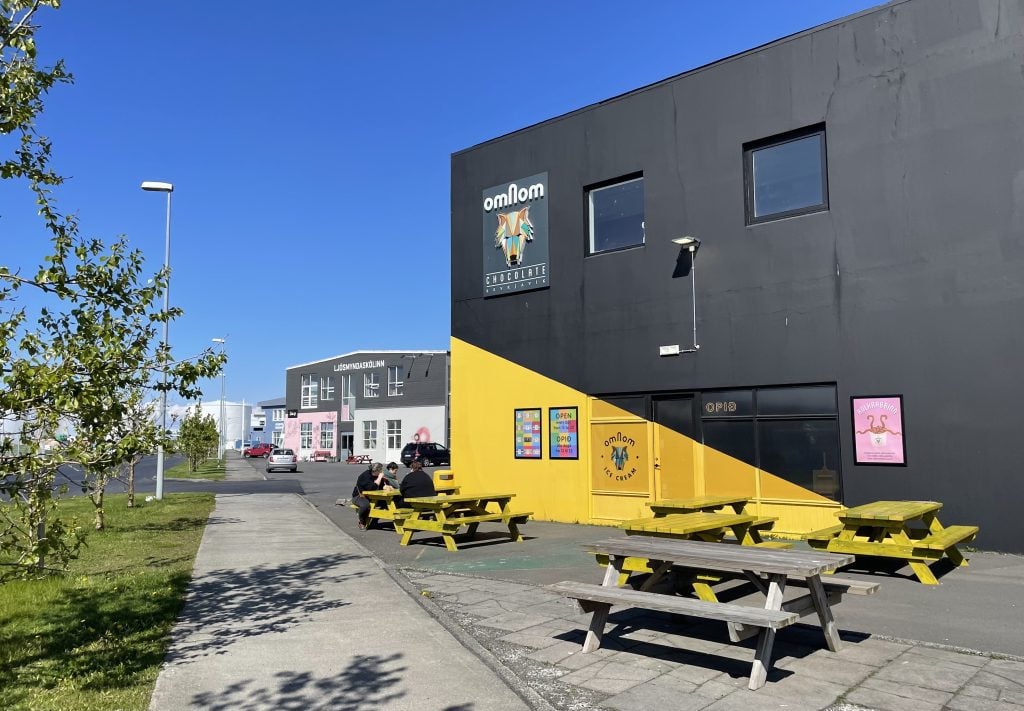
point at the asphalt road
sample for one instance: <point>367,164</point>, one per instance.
<point>145,482</point>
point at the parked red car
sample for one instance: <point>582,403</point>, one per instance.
<point>258,450</point>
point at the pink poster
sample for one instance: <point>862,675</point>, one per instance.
<point>878,436</point>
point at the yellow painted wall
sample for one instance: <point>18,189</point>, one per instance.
<point>486,390</point>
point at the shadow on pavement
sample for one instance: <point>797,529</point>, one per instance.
<point>367,682</point>
<point>230,604</point>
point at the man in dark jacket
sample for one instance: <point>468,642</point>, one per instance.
<point>417,482</point>
<point>372,479</point>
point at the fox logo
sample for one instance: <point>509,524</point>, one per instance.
<point>514,231</point>
<point>619,456</point>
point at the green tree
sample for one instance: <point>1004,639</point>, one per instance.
<point>197,437</point>
<point>78,333</point>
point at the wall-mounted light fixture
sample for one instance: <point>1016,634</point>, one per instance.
<point>691,245</point>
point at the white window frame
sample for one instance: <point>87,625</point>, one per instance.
<point>394,434</point>
<point>277,414</point>
<point>348,397</point>
<point>327,387</point>
<point>371,384</point>
<point>396,380</point>
<point>369,434</point>
<point>310,386</point>
<point>326,435</point>
<point>306,435</point>
<point>277,438</point>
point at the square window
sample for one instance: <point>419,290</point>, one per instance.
<point>786,175</point>
<point>616,216</point>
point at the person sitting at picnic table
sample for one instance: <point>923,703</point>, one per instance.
<point>373,479</point>
<point>417,482</point>
<point>391,472</point>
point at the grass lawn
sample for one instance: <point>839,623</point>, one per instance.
<point>95,637</point>
<point>210,469</point>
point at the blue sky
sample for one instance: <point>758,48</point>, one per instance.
<point>309,145</point>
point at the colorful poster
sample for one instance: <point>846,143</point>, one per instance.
<point>878,433</point>
<point>563,426</point>
<point>529,444</point>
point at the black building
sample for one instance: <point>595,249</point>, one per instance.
<point>851,326</point>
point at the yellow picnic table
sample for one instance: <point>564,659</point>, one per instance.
<point>719,503</point>
<point>447,514</point>
<point>384,504</point>
<point>885,528</point>
<point>708,503</point>
<point>696,525</point>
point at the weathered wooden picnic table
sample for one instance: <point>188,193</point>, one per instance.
<point>697,526</point>
<point>886,529</point>
<point>767,569</point>
<point>447,514</point>
<point>385,504</point>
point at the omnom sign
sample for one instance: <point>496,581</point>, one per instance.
<point>515,235</point>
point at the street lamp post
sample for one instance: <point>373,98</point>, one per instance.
<point>153,186</point>
<point>222,448</point>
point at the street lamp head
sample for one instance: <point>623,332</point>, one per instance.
<point>156,186</point>
<point>218,340</point>
<point>690,243</point>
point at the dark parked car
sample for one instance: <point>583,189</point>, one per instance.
<point>258,450</point>
<point>428,453</point>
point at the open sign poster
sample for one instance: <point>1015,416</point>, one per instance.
<point>563,428</point>
<point>878,431</point>
<point>529,441</point>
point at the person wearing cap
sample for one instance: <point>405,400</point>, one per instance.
<point>417,482</point>
<point>373,479</point>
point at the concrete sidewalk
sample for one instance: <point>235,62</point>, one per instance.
<point>286,611</point>
<point>283,604</point>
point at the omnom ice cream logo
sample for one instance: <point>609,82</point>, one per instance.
<point>514,231</point>
<point>618,452</point>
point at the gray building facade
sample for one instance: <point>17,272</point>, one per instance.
<point>366,403</point>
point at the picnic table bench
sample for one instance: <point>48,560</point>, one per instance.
<point>447,514</point>
<point>768,569</point>
<point>884,528</point>
<point>359,459</point>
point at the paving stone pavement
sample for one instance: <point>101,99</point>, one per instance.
<point>644,662</point>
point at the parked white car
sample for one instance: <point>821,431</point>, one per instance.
<point>282,459</point>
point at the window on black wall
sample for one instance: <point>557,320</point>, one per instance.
<point>615,215</point>
<point>790,432</point>
<point>786,175</point>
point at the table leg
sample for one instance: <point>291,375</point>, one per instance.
<point>613,575</point>
<point>662,568</point>
<point>766,639</point>
<point>824,610</point>
<point>597,622</point>
<point>513,531</point>
<point>921,569</point>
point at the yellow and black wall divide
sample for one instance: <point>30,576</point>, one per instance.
<point>623,461</point>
